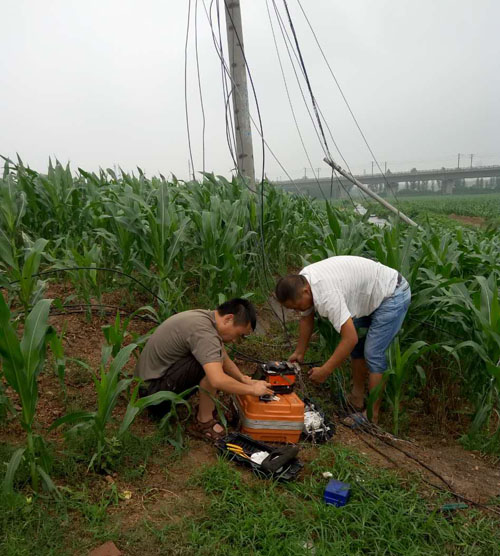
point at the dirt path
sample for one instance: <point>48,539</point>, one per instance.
<point>467,473</point>
<point>474,220</point>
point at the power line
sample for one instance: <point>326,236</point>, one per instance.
<point>288,93</point>
<point>219,50</point>
<point>346,102</point>
<point>319,116</point>
<point>185,87</point>
<point>199,81</point>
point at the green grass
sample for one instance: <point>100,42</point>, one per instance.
<point>485,206</point>
<point>225,510</point>
<point>383,516</point>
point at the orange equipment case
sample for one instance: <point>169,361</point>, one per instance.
<point>277,421</point>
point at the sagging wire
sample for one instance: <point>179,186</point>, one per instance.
<point>285,37</point>
<point>298,55</point>
<point>388,439</point>
<point>254,92</point>
<point>108,310</point>
<point>261,133</point>
<point>104,269</point>
<point>299,59</point>
<point>347,104</point>
<point>383,438</point>
<point>199,81</point>
<point>286,85</point>
<point>225,73</point>
<point>288,95</point>
<point>277,160</point>
<point>261,218</point>
<point>185,89</point>
<point>227,93</point>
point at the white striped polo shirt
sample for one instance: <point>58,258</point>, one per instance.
<point>347,286</point>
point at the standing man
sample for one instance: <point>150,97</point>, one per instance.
<point>351,292</point>
<point>188,350</point>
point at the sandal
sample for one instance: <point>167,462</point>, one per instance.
<point>356,421</point>
<point>206,431</point>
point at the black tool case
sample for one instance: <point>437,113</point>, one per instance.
<point>289,465</point>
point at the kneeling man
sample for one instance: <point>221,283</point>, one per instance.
<point>188,350</point>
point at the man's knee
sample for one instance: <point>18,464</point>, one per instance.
<point>376,360</point>
<point>205,385</point>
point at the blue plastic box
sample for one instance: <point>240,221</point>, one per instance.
<point>337,493</point>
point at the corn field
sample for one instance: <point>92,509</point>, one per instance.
<point>199,242</point>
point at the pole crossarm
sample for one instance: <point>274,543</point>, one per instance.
<point>369,192</point>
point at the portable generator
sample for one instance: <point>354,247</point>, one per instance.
<point>281,375</point>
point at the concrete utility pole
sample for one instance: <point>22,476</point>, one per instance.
<point>459,161</point>
<point>369,192</point>
<point>471,157</point>
<point>239,90</point>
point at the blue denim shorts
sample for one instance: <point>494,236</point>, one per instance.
<point>383,325</point>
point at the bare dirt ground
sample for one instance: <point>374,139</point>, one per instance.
<point>474,220</point>
<point>166,486</point>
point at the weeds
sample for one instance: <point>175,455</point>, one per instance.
<point>109,386</point>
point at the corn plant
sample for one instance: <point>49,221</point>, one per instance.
<point>30,287</point>
<point>12,210</point>
<point>116,333</point>
<point>401,364</point>
<point>19,267</point>
<point>164,244</point>
<point>342,235</point>
<point>394,248</point>
<point>125,223</point>
<point>87,282</point>
<point>22,362</point>
<point>109,387</point>
<point>479,313</point>
<point>225,248</point>
<point>57,348</point>
<point>61,199</point>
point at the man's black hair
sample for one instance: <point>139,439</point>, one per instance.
<point>242,309</point>
<point>289,287</point>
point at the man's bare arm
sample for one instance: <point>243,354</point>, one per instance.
<point>348,339</point>
<point>231,369</point>
<point>306,326</point>
<point>219,380</point>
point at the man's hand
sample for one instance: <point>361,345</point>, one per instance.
<point>247,380</point>
<point>296,356</point>
<point>261,388</point>
<point>319,374</point>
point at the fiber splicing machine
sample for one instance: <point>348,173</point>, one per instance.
<point>278,418</point>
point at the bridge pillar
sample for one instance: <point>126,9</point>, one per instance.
<point>447,186</point>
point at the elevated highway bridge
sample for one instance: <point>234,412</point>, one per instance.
<point>444,177</point>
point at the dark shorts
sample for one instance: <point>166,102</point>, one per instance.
<point>182,375</point>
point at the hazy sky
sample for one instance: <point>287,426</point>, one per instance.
<point>101,83</point>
